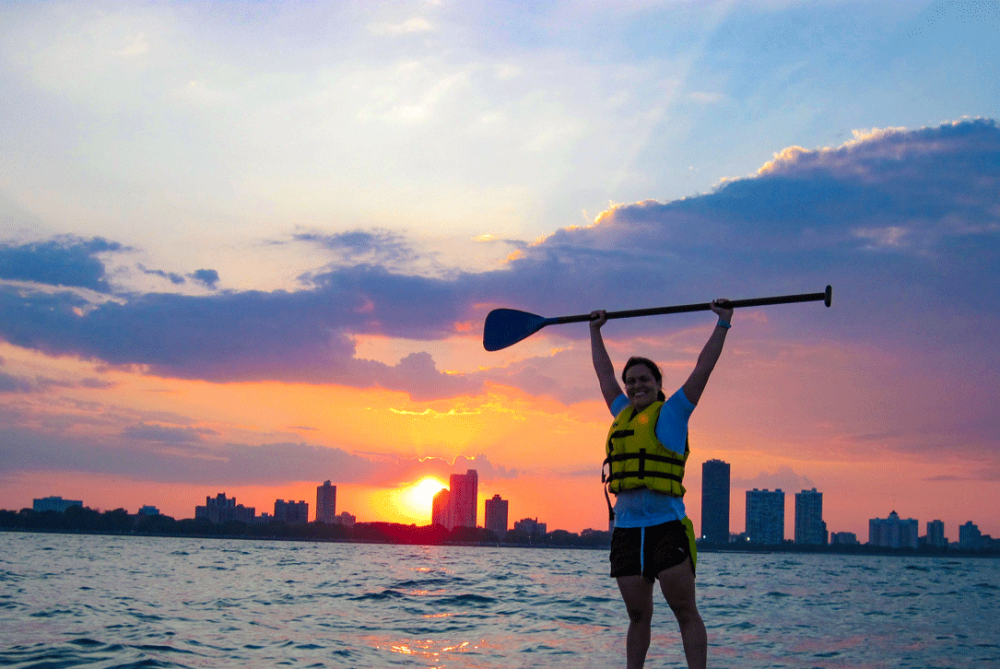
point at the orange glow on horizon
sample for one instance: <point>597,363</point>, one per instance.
<point>414,502</point>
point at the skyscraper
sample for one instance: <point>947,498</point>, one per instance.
<point>809,526</point>
<point>969,536</point>
<point>765,522</point>
<point>715,502</point>
<point>441,509</point>
<point>496,516</point>
<point>326,503</point>
<point>935,534</point>
<point>464,491</point>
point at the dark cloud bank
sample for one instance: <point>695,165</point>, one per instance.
<point>890,220</point>
<point>173,455</point>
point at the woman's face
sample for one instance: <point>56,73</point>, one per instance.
<point>641,387</point>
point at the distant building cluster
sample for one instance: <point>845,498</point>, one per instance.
<point>456,507</point>
<point>765,520</point>
<point>531,527</point>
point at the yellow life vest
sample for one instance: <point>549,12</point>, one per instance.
<point>637,459</point>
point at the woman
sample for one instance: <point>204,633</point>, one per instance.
<point>647,449</point>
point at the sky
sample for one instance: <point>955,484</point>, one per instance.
<point>247,247</point>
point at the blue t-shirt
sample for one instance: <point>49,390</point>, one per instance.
<point>643,507</point>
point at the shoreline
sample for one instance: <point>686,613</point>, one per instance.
<point>790,549</point>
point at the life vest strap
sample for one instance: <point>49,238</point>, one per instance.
<point>617,476</point>
<point>670,460</point>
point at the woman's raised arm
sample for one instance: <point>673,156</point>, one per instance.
<point>695,385</point>
<point>602,361</point>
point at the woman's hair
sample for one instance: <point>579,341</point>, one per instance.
<point>654,370</point>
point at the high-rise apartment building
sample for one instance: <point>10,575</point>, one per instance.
<point>441,509</point>
<point>326,503</point>
<point>715,501</point>
<point>291,512</point>
<point>464,491</point>
<point>893,532</point>
<point>969,536</point>
<point>495,519</point>
<point>456,506</point>
<point>935,534</point>
<point>809,526</point>
<point>765,518</point>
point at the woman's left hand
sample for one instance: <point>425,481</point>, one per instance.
<point>721,308</point>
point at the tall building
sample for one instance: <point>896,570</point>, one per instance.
<point>464,490</point>
<point>969,536</point>
<point>809,526</point>
<point>495,519</point>
<point>54,504</point>
<point>765,518</point>
<point>935,534</point>
<point>715,501</point>
<point>456,506</point>
<point>291,512</point>
<point>441,509</point>
<point>893,532</point>
<point>326,503</point>
<point>221,509</point>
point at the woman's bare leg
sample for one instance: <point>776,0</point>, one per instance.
<point>638,595</point>
<point>677,584</point>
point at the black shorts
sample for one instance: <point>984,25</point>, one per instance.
<point>647,551</point>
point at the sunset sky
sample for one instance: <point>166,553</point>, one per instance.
<point>246,247</point>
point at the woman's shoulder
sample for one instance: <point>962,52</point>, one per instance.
<point>620,404</point>
<point>680,400</point>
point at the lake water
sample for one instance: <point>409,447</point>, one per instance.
<point>71,601</point>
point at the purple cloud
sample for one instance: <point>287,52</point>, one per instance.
<point>892,219</point>
<point>64,261</point>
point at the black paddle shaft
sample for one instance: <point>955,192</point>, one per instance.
<point>826,296</point>
<point>505,327</point>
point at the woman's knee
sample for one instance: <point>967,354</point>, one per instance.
<point>684,611</point>
<point>639,614</point>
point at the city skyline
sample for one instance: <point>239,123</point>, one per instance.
<point>766,523</point>
<point>245,246</point>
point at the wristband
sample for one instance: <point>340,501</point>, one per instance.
<point>725,325</point>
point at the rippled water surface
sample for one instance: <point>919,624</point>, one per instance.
<point>70,601</point>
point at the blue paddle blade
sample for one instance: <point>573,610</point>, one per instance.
<point>509,326</point>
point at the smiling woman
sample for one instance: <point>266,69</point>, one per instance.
<point>414,502</point>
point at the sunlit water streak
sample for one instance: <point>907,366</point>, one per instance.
<point>69,601</point>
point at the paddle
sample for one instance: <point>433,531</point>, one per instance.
<point>505,327</point>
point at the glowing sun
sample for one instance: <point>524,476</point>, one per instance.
<point>416,501</point>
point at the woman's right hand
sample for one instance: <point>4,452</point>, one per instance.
<point>598,318</point>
